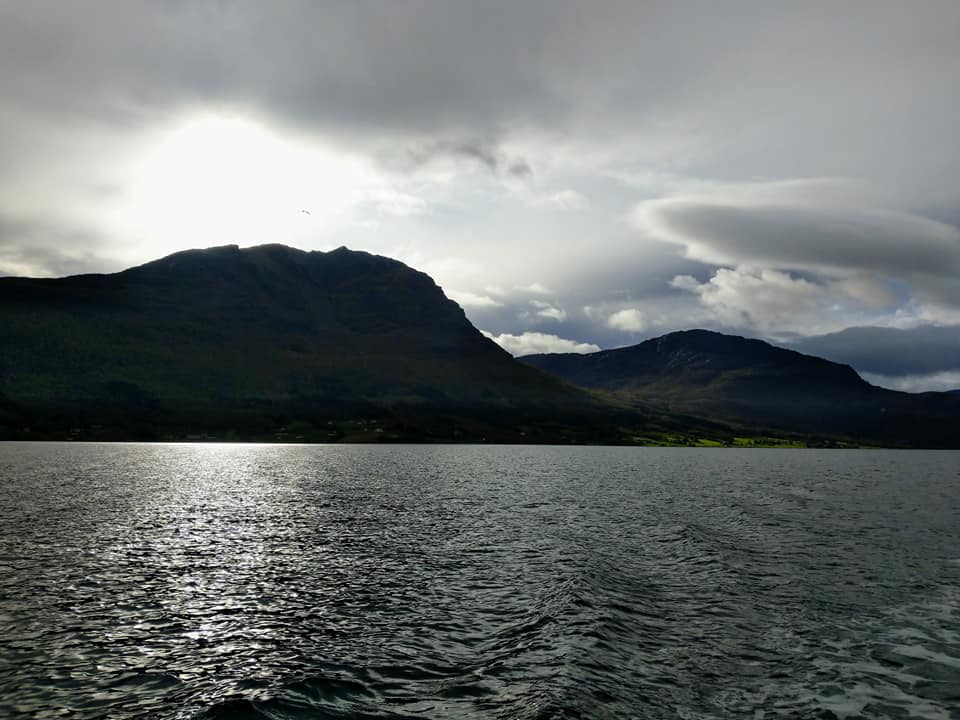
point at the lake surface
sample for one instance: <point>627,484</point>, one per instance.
<point>198,581</point>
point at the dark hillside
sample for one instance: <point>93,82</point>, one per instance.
<point>752,382</point>
<point>228,338</point>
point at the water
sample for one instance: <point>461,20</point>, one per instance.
<point>142,581</point>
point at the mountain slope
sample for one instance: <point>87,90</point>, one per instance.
<point>225,337</point>
<point>752,382</point>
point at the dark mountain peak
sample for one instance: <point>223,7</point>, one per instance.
<point>738,351</point>
<point>219,256</point>
<point>714,373</point>
<point>262,330</point>
<point>274,272</point>
<point>704,347</point>
<point>337,290</point>
<point>694,341</point>
<point>750,381</point>
<point>351,289</point>
<point>360,260</point>
<point>234,253</point>
<point>704,351</point>
<point>186,258</point>
<point>705,340</point>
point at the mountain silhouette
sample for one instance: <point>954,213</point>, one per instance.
<point>259,338</point>
<point>752,382</point>
<point>271,342</point>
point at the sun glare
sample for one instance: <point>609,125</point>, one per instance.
<point>216,180</point>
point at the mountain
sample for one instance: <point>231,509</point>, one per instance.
<point>262,340</point>
<point>276,343</point>
<point>751,382</point>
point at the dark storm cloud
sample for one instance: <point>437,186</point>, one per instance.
<point>889,351</point>
<point>451,71</point>
<point>782,235</point>
<point>409,68</point>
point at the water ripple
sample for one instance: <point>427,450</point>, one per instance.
<point>187,582</point>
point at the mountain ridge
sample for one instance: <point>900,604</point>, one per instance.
<point>750,381</point>
<point>257,336</point>
<point>271,341</point>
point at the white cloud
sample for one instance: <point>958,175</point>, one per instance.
<point>445,271</point>
<point>838,230</point>
<point>807,256</point>
<point>685,282</point>
<point>552,313</point>
<point>469,299</point>
<point>767,299</point>
<point>549,311</point>
<point>628,320</point>
<point>947,380</point>
<point>535,289</point>
<point>867,289</point>
<point>529,343</point>
<point>930,313</point>
<point>442,140</point>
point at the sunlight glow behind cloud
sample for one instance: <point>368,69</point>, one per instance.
<point>214,178</point>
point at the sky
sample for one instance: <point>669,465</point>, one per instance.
<point>576,175</point>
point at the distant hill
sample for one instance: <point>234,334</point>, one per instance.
<point>888,351</point>
<point>249,341</point>
<point>752,382</point>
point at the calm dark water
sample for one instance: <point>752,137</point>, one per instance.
<point>145,581</point>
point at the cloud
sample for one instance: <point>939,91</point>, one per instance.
<point>563,200</point>
<point>478,81</point>
<point>806,256</point>
<point>486,126</point>
<point>399,204</point>
<point>869,290</point>
<point>529,343</point>
<point>50,248</point>
<point>471,300</point>
<point>935,382</point>
<point>534,289</point>
<point>548,311</point>
<point>445,269</point>
<point>628,320</point>
<point>926,350</point>
<point>485,154</point>
<point>786,226</point>
<point>766,299</point>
